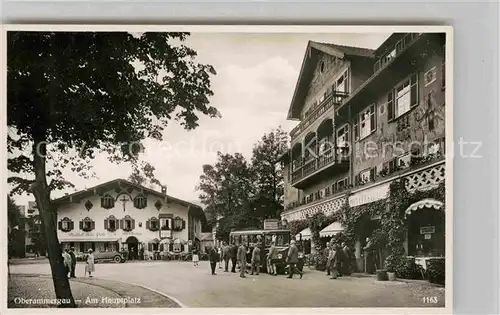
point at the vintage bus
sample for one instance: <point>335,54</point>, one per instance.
<point>264,238</point>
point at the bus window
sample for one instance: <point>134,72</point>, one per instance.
<point>244,239</point>
<point>269,239</point>
<point>259,238</point>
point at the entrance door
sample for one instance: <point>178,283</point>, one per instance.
<point>133,247</point>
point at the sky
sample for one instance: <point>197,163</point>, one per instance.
<point>253,89</point>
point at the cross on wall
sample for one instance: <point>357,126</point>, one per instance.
<point>124,200</point>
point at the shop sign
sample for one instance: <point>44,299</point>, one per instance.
<point>131,234</point>
<point>427,229</point>
<point>90,234</point>
<point>427,236</point>
<point>271,224</point>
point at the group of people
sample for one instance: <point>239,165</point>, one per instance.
<point>69,260</point>
<point>339,260</point>
<point>238,255</point>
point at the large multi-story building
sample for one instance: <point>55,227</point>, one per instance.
<point>367,117</point>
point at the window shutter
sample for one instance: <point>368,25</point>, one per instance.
<point>59,225</point>
<point>132,224</point>
<point>414,91</point>
<point>71,225</point>
<point>373,173</point>
<point>117,222</point>
<point>148,225</point>
<point>103,203</point>
<point>106,225</point>
<point>183,224</point>
<point>81,225</point>
<point>121,224</point>
<point>373,122</point>
<point>161,248</point>
<point>390,106</point>
<point>392,165</point>
<point>92,225</point>
<point>150,247</point>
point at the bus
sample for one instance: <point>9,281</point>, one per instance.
<point>264,238</point>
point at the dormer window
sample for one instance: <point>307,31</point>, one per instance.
<point>140,202</point>
<point>66,225</point>
<point>107,202</point>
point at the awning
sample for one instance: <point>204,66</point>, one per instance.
<point>88,240</point>
<point>424,203</point>
<point>306,234</point>
<point>331,230</point>
<point>154,240</point>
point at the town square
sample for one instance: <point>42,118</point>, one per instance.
<point>179,170</point>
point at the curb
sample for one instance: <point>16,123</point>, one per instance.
<point>181,305</point>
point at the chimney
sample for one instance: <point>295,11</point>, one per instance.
<point>164,190</point>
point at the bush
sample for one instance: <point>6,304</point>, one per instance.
<point>404,267</point>
<point>436,270</point>
<point>318,261</point>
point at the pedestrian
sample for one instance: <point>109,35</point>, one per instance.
<point>234,257</point>
<point>242,258</point>
<point>90,264</point>
<point>67,262</point>
<point>73,262</point>
<point>196,257</point>
<point>219,253</point>
<point>226,255</point>
<point>339,260</point>
<point>369,257</point>
<point>348,257</point>
<point>213,257</point>
<point>293,260</point>
<point>271,257</point>
<point>256,259</point>
<point>332,261</point>
<point>326,253</point>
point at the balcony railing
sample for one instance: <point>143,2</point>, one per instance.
<point>394,51</point>
<point>313,164</point>
<point>335,98</point>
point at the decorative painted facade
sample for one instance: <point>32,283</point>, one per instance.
<point>120,215</point>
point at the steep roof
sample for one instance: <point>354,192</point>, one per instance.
<point>307,68</point>
<point>120,182</point>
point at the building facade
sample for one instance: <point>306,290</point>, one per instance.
<point>119,215</point>
<point>368,117</point>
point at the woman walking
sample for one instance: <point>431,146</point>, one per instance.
<point>90,265</point>
<point>196,257</point>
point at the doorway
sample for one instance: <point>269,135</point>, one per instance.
<point>133,247</point>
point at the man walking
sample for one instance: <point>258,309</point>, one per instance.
<point>234,257</point>
<point>272,256</point>
<point>346,265</point>
<point>256,259</point>
<point>293,260</point>
<point>242,258</point>
<point>226,253</point>
<point>213,257</point>
<point>332,261</point>
<point>73,262</point>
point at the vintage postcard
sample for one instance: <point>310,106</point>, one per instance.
<point>228,167</point>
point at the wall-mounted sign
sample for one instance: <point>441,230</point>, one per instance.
<point>131,234</point>
<point>427,236</point>
<point>190,243</point>
<point>427,229</point>
<point>271,224</point>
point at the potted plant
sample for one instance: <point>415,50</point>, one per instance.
<point>391,274</point>
<point>391,262</point>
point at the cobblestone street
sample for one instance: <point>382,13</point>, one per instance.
<point>195,287</point>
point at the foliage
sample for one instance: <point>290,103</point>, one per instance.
<point>13,212</point>
<point>317,222</point>
<point>73,95</point>
<point>237,193</point>
<point>318,260</point>
<point>143,174</point>
<point>298,226</point>
<point>436,270</point>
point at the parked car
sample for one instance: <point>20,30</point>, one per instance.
<point>107,256</point>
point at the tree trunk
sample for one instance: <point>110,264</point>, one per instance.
<point>41,191</point>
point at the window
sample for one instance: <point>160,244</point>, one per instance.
<point>343,136</point>
<point>165,224</point>
<point>128,223</point>
<point>140,202</point>
<point>107,202</point>
<point>111,224</point>
<point>153,224</point>
<point>342,184</point>
<point>66,225</point>
<point>430,76</point>
<point>366,176</point>
<point>365,124</point>
<point>179,224</point>
<point>403,161</point>
<point>403,98</point>
<point>87,224</point>
<point>177,247</point>
<point>327,191</point>
<point>341,85</point>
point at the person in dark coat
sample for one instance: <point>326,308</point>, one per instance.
<point>226,255</point>
<point>369,257</point>
<point>242,258</point>
<point>293,260</point>
<point>214,258</point>
<point>348,257</point>
<point>340,259</point>
<point>256,259</point>
<point>73,262</point>
<point>234,257</point>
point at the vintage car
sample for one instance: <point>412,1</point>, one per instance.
<point>282,267</point>
<point>106,256</point>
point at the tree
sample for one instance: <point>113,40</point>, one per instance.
<point>226,191</point>
<point>17,233</point>
<point>269,180</point>
<point>73,95</point>
<point>13,212</point>
<point>143,174</point>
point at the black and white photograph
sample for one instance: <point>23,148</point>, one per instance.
<point>228,167</point>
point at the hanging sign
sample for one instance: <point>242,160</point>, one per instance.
<point>427,229</point>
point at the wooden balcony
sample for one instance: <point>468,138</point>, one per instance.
<point>335,98</point>
<point>326,164</point>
